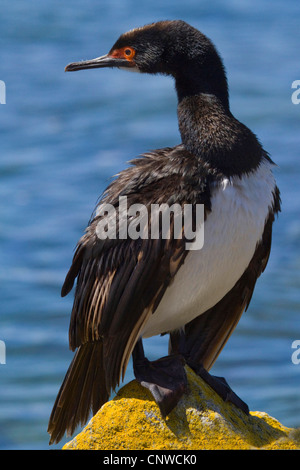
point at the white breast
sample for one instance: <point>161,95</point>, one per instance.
<point>232,230</point>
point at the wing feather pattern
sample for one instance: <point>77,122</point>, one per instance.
<point>120,283</point>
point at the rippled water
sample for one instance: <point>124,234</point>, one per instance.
<point>64,135</point>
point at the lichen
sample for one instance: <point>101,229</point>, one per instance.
<point>201,420</point>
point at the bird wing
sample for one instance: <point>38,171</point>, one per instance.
<point>206,335</point>
<point>120,282</point>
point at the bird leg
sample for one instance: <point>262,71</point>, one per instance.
<point>165,378</point>
<point>218,384</point>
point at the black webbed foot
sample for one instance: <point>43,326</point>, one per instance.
<point>218,384</point>
<point>165,378</point>
<point>221,387</point>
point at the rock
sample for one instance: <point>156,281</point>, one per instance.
<point>201,420</point>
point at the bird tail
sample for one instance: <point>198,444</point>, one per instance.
<point>81,392</point>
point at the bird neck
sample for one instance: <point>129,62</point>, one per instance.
<point>211,133</point>
<point>208,78</point>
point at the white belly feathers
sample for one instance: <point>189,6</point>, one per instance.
<point>232,230</point>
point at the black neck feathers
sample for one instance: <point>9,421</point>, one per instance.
<point>212,134</point>
<point>206,77</point>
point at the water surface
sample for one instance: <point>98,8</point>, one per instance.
<point>62,138</point>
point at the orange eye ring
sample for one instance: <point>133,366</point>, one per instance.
<point>128,53</point>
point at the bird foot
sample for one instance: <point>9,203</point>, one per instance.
<point>165,378</point>
<point>221,387</point>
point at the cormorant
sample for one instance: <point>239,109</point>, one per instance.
<point>130,288</point>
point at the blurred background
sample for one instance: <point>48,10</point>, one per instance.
<point>62,138</point>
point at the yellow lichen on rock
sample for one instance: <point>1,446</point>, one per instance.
<point>201,420</point>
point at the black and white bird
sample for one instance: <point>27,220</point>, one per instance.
<point>128,289</point>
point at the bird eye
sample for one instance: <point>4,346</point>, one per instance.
<point>129,53</point>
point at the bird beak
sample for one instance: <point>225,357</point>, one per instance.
<point>103,61</point>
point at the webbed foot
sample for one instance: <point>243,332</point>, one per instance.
<point>165,378</point>
<point>221,387</point>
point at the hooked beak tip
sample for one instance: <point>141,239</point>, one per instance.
<point>68,68</point>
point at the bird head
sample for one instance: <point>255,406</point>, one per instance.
<point>166,47</point>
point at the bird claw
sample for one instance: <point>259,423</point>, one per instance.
<point>165,379</point>
<point>221,387</point>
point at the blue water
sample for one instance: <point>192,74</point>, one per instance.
<point>64,135</point>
